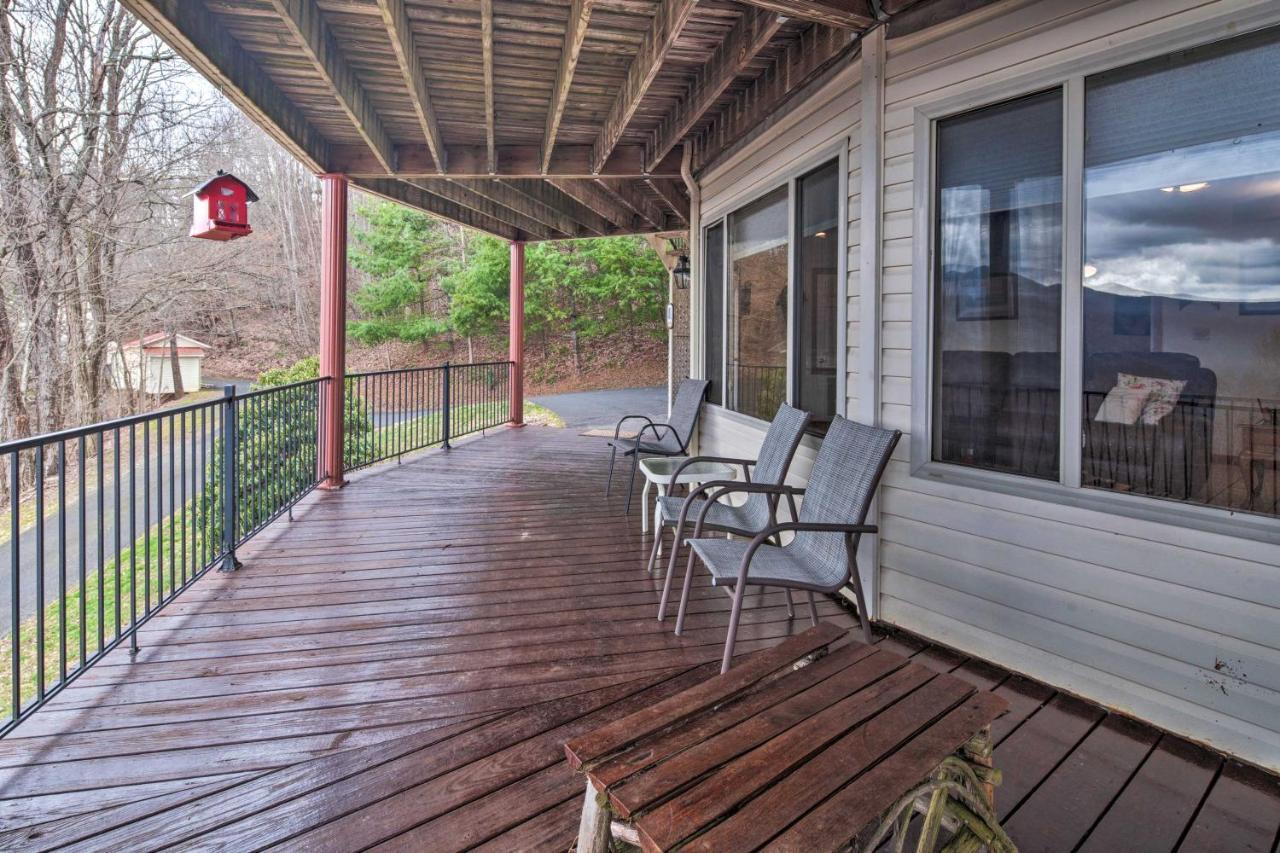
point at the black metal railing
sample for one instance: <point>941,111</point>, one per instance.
<point>108,523</point>
<point>757,389</point>
<point>394,412</point>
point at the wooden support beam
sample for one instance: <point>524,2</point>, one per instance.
<point>404,46</point>
<point>486,54</point>
<point>845,14</point>
<point>307,24</point>
<point>514,161</point>
<point>543,193</point>
<point>455,191</point>
<point>667,23</point>
<point>575,32</point>
<point>428,202</point>
<point>602,202</point>
<point>632,198</point>
<point>807,65</point>
<point>670,192</point>
<point>201,40</point>
<point>553,218</point>
<point>730,58</point>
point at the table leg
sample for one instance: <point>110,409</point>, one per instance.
<point>593,829</point>
<point>657,515</point>
<point>644,506</point>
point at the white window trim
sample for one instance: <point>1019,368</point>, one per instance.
<point>719,215</point>
<point>1067,491</point>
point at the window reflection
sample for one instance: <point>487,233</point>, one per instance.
<point>817,274</point>
<point>757,347</point>
<point>1182,277</point>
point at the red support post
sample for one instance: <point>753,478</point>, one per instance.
<point>333,326</point>
<point>516,350</point>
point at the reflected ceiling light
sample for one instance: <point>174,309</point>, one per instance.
<point>821,234</point>
<point>1090,270</point>
<point>1185,188</point>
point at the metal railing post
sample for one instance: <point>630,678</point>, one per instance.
<point>229,561</point>
<point>447,406</point>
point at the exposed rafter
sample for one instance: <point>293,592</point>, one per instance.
<point>670,19</point>
<point>846,14</point>
<point>514,161</point>
<point>730,58</point>
<point>550,217</point>
<point>486,54</point>
<point>195,33</point>
<point>404,46</point>
<point>807,64</point>
<point>308,26</point>
<point>575,32</point>
<point>406,193</point>
<point>543,193</point>
<point>645,207</point>
<point>669,191</point>
<point>602,202</point>
<point>482,204</point>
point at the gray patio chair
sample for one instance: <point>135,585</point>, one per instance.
<point>822,555</point>
<point>669,439</point>
<point>756,513</point>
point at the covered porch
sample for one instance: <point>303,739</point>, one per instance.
<point>400,665</point>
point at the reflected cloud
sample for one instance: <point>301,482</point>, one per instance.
<point>1221,271</point>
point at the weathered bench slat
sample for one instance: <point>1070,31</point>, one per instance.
<point>611,738</point>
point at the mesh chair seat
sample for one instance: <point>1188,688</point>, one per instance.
<point>669,444</point>
<point>770,565</point>
<point>746,520</point>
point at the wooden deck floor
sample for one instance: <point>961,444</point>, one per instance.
<point>399,668</point>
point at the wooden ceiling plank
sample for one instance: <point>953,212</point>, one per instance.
<point>458,192</point>
<point>404,46</point>
<point>428,202</point>
<point>307,24</point>
<point>205,43</point>
<point>596,198</point>
<point>514,161</point>
<point>747,38</point>
<point>667,23</point>
<point>821,53</point>
<point>630,197</point>
<point>543,193</point>
<point>486,52</point>
<point>575,32</point>
<point>668,191</point>
<point>844,14</point>
<point>548,216</point>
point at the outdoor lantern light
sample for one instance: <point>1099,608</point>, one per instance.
<point>681,272</point>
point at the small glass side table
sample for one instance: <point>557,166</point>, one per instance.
<point>658,471</point>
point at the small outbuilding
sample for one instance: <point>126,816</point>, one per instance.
<point>144,364</point>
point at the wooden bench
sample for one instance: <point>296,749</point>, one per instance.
<point>800,747</point>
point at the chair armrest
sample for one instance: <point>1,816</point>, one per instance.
<point>617,430</point>
<point>654,427</point>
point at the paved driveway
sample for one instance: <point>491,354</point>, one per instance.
<point>586,409</point>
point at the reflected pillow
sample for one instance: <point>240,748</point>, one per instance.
<point>1124,403</point>
<point>1164,396</point>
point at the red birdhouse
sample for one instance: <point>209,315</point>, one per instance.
<point>221,208</point>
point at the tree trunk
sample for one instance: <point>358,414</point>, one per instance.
<point>175,366</point>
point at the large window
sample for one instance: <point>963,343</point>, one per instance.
<point>999,287</point>
<point>771,299</point>
<point>757,352</point>
<point>1176,289</point>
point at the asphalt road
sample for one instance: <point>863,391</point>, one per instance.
<point>586,409</point>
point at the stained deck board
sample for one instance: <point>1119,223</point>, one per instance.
<point>264,698</point>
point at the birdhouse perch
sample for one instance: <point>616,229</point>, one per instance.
<point>220,208</point>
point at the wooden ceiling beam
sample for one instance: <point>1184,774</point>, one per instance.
<point>807,64</point>
<point>459,193</point>
<point>629,196</point>
<point>307,24</point>
<point>404,46</point>
<point>514,161</point>
<point>669,191</point>
<point>486,55</point>
<point>548,216</point>
<point>201,40</point>
<point>731,57</point>
<point>586,192</point>
<point>667,23</point>
<point>844,14</point>
<point>543,193</point>
<point>429,202</point>
<point>575,32</point>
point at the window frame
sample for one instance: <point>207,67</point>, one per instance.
<point>837,152</point>
<point>1069,75</point>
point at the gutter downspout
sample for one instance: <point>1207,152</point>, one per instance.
<point>696,343</point>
